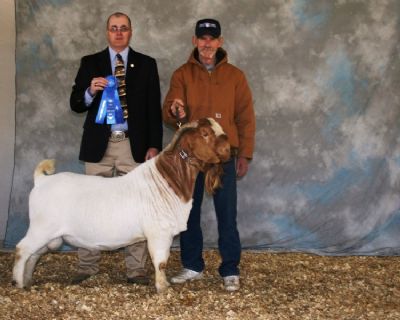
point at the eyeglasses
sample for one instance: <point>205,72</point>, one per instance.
<point>115,29</point>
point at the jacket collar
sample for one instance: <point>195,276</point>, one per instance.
<point>222,57</point>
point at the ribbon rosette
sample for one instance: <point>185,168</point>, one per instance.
<point>110,105</point>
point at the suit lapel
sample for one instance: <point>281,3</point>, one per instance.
<point>131,67</point>
<point>105,63</point>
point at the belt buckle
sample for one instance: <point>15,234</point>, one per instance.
<point>117,136</point>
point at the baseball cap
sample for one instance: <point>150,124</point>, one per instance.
<point>208,26</point>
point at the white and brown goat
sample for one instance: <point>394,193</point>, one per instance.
<point>149,203</point>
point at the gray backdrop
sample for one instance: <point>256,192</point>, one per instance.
<point>325,79</point>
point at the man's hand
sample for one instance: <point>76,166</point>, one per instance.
<point>151,153</point>
<point>97,84</point>
<point>242,166</point>
<point>177,109</point>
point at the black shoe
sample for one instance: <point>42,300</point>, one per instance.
<point>80,277</point>
<point>143,280</point>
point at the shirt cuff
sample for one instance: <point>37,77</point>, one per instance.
<point>88,98</point>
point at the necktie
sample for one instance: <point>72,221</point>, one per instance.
<point>119,73</point>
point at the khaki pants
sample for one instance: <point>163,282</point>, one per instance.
<point>118,161</point>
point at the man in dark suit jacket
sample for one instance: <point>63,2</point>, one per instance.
<point>115,149</point>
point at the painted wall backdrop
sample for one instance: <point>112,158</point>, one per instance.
<point>325,79</point>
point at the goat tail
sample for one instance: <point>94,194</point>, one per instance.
<point>45,167</point>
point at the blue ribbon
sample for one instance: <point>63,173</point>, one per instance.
<point>110,106</point>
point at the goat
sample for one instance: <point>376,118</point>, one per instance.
<point>151,203</point>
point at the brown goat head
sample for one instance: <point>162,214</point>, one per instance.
<point>213,153</point>
<point>204,140</point>
<point>201,145</point>
<point>208,142</point>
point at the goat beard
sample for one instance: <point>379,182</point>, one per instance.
<point>212,179</point>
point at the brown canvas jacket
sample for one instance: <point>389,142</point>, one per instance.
<point>222,94</point>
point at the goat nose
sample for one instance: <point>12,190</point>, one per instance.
<point>228,149</point>
<point>225,151</point>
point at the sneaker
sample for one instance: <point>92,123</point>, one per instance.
<point>185,275</point>
<point>231,283</point>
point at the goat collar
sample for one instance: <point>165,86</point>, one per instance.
<point>186,157</point>
<point>183,155</point>
<point>191,160</point>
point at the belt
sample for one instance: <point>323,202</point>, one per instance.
<point>118,136</point>
<point>234,152</point>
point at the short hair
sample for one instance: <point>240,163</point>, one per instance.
<point>119,14</point>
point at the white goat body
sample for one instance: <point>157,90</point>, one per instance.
<point>123,210</point>
<point>150,203</point>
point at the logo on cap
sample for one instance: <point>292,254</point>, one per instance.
<point>207,25</point>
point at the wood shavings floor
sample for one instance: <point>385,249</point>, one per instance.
<point>274,286</point>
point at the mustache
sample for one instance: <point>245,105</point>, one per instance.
<point>208,51</point>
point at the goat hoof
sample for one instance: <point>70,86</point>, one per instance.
<point>162,289</point>
<point>15,284</point>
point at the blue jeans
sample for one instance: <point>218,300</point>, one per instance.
<point>225,204</point>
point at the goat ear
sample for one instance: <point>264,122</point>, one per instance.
<point>212,178</point>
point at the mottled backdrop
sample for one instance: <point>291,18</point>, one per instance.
<point>325,78</point>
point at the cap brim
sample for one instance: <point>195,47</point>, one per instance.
<point>212,33</point>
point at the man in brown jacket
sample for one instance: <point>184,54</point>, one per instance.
<point>208,86</point>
